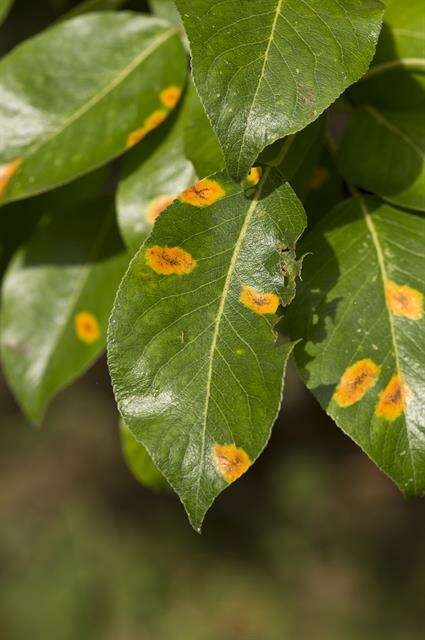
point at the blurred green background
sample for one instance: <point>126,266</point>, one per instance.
<point>314,542</point>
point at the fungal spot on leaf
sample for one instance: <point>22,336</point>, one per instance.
<point>7,171</point>
<point>392,400</point>
<point>203,193</point>
<point>355,381</point>
<point>136,136</point>
<point>318,179</point>
<point>87,327</point>
<point>254,175</point>
<point>156,206</point>
<point>259,302</point>
<point>150,123</point>
<point>169,260</point>
<point>170,96</point>
<point>231,461</point>
<point>404,301</point>
<point>155,119</point>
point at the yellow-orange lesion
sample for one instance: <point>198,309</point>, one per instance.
<point>231,461</point>
<point>7,171</point>
<point>170,96</point>
<point>157,206</point>
<point>87,327</point>
<point>203,193</point>
<point>254,175</point>
<point>150,123</point>
<point>392,400</point>
<point>259,301</point>
<point>318,178</point>
<point>404,301</point>
<point>169,260</point>
<point>356,381</point>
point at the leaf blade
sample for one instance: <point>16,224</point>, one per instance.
<point>162,330</point>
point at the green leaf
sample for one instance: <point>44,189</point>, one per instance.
<point>165,9</point>
<point>139,462</point>
<point>164,165</point>
<point>266,70</point>
<point>384,152</point>
<point>196,366</point>
<point>63,113</point>
<point>57,295</point>
<point>5,6</point>
<point>326,189</point>
<point>397,76</point>
<point>93,5</point>
<point>360,314</point>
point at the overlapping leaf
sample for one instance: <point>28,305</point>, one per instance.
<point>88,6</point>
<point>384,152</point>
<point>56,299</point>
<point>361,317</point>
<point>196,365</point>
<point>265,70</point>
<point>69,103</point>
<point>139,462</point>
<point>164,165</point>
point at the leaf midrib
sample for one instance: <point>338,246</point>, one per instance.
<point>381,119</point>
<point>384,276</point>
<point>260,79</point>
<point>98,97</point>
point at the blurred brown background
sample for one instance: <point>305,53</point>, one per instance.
<point>314,542</point>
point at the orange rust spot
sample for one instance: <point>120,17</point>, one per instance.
<point>87,327</point>
<point>231,461</point>
<point>169,260</point>
<point>170,96</point>
<point>156,206</point>
<point>355,381</point>
<point>203,193</point>
<point>404,301</point>
<point>254,175</point>
<point>150,123</point>
<point>7,171</point>
<point>155,119</point>
<point>259,302</point>
<point>318,179</point>
<point>392,400</point>
<point>136,136</point>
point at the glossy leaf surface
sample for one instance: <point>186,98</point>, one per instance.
<point>56,299</point>
<point>163,165</point>
<point>360,314</point>
<point>196,366</point>
<point>88,6</point>
<point>265,70</point>
<point>384,152</point>
<point>139,461</point>
<point>69,103</point>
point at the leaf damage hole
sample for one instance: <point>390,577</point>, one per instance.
<point>356,381</point>
<point>392,400</point>
<point>404,301</point>
<point>87,327</point>
<point>7,171</point>
<point>169,260</point>
<point>170,96</point>
<point>259,302</point>
<point>157,206</point>
<point>231,461</point>
<point>203,193</point>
